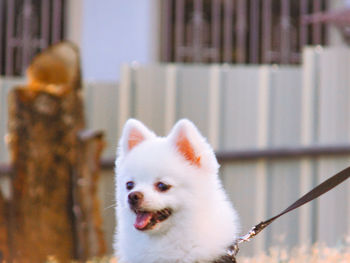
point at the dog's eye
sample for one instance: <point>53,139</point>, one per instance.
<point>162,187</point>
<point>130,185</point>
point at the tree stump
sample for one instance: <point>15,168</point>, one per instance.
<point>86,205</point>
<point>48,158</point>
<point>4,234</point>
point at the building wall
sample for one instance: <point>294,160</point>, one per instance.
<point>111,33</point>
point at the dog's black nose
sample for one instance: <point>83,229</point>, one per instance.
<point>135,198</point>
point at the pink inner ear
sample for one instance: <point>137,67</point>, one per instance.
<point>135,137</point>
<point>186,149</point>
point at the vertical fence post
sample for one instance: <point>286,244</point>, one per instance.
<point>285,32</point>
<point>263,105</point>
<point>308,136</point>
<point>262,141</point>
<point>241,31</point>
<point>170,97</point>
<point>56,23</point>
<point>166,30</point>
<point>254,31</point>
<point>316,27</point>
<point>124,97</point>
<point>214,105</point>
<point>1,35</point>
<point>215,30</point>
<point>303,27</point>
<point>26,41</point>
<point>328,27</point>
<point>198,21</point>
<point>44,23</point>
<point>266,31</point>
<point>9,48</point>
<point>228,13</point>
<point>179,30</point>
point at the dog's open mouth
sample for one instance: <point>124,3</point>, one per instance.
<point>146,220</point>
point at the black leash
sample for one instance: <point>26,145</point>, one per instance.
<point>313,194</point>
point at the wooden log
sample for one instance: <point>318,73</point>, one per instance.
<point>4,230</point>
<point>43,130</point>
<point>47,156</point>
<point>86,203</point>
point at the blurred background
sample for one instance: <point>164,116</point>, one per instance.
<point>266,81</point>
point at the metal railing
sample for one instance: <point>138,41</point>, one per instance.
<point>239,155</point>
<point>26,27</point>
<point>239,31</point>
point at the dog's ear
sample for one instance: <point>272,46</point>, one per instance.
<point>188,141</point>
<point>134,133</point>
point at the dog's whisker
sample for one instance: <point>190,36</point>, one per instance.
<point>109,207</point>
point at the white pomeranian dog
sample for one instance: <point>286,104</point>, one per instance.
<point>171,206</point>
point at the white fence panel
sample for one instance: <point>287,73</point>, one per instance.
<point>333,211</point>
<point>239,130</point>
<point>308,136</point>
<point>264,107</point>
<point>244,115</point>
<point>245,183</point>
<point>239,107</point>
<point>334,96</point>
<point>283,176</point>
<point>101,112</point>
<point>150,97</point>
<point>192,97</point>
<point>285,107</point>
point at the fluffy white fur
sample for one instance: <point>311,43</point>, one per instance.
<point>203,223</point>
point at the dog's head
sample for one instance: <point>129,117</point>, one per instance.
<point>160,177</point>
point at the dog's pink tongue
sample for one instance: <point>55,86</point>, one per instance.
<point>142,220</point>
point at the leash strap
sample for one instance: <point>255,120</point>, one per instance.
<point>313,194</point>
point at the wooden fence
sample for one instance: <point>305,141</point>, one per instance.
<point>253,116</point>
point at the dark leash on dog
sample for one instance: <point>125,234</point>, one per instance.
<point>313,194</point>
